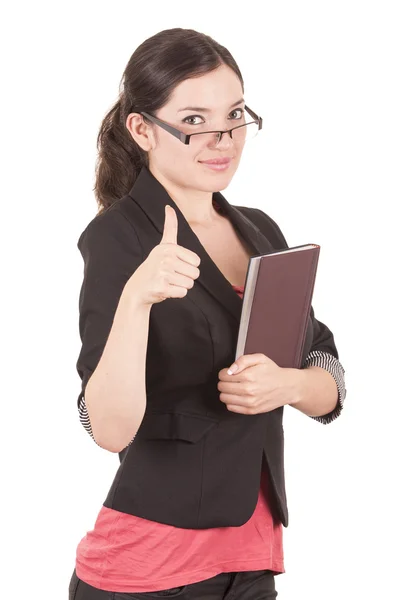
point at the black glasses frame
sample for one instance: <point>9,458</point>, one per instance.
<point>185,137</point>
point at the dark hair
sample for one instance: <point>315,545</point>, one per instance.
<point>156,67</point>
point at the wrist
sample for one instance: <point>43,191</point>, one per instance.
<point>131,296</point>
<point>297,385</point>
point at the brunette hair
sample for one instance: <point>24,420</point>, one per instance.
<point>156,67</point>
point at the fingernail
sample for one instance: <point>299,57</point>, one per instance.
<point>232,369</point>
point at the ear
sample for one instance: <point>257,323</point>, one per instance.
<point>140,131</point>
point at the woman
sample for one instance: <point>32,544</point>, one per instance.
<point>197,506</point>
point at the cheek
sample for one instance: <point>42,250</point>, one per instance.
<point>239,152</point>
<point>236,162</point>
<point>179,165</point>
<point>172,157</point>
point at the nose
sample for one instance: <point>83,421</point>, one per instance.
<point>224,140</point>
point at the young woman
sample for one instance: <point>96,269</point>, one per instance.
<point>197,506</point>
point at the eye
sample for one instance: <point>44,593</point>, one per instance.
<point>189,120</point>
<point>239,112</point>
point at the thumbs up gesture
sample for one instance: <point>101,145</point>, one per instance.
<point>170,270</point>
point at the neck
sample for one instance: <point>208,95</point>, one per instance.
<point>195,205</point>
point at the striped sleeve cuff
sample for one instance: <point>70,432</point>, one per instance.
<point>85,419</point>
<point>327,361</point>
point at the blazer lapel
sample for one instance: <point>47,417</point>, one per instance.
<point>152,198</point>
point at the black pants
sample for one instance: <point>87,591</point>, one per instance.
<point>245,585</point>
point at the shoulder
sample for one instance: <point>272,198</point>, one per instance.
<point>266,224</point>
<point>114,223</point>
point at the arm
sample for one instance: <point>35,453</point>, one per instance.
<point>320,386</point>
<point>113,331</point>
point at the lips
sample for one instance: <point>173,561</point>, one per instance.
<point>217,161</point>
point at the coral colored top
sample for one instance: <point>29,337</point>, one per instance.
<point>125,553</point>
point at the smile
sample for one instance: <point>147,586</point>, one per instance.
<point>217,164</point>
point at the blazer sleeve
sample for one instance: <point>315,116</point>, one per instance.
<point>111,252</point>
<point>323,352</point>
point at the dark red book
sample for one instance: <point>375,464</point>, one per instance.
<point>277,298</point>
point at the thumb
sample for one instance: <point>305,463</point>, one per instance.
<point>170,231</point>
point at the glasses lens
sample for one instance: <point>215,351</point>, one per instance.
<point>245,133</point>
<point>204,139</point>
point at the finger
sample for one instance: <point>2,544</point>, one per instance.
<point>238,377</point>
<point>170,231</point>
<point>244,361</point>
<point>234,388</point>
<point>237,408</point>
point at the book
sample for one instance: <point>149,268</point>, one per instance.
<point>276,306</point>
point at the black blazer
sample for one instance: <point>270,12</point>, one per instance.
<point>193,463</point>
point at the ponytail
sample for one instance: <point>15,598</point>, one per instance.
<point>119,160</point>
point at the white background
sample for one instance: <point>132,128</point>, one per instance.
<point>323,77</point>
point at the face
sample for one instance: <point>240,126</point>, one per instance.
<point>213,101</point>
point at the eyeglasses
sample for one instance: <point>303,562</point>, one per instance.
<point>240,133</point>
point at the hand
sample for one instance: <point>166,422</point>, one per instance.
<point>169,271</point>
<point>258,386</point>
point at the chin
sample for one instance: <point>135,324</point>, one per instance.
<point>215,182</point>
<point>221,182</point>
<point>223,186</point>
<point>216,185</point>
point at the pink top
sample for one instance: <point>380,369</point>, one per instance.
<point>125,553</point>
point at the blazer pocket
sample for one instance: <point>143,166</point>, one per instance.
<point>175,426</point>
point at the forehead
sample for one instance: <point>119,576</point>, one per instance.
<point>215,90</point>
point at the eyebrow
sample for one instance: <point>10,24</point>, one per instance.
<point>202,109</point>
